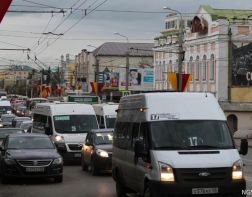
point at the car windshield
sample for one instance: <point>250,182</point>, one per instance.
<point>30,143</point>
<point>4,133</point>
<point>110,122</point>
<point>7,119</point>
<point>75,123</point>
<point>104,138</point>
<point>5,108</point>
<point>190,134</point>
<point>25,125</point>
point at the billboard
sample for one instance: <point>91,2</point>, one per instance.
<point>242,66</point>
<point>110,80</point>
<point>140,79</point>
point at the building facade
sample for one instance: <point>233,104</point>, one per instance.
<point>210,44</point>
<point>110,57</point>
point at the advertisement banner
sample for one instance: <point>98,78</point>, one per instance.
<point>111,80</point>
<point>140,79</point>
<point>242,66</point>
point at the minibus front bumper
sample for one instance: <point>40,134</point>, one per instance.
<point>227,189</point>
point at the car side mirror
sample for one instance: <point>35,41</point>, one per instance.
<point>1,148</point>
<point>243,147</point>
<point>48,130</point>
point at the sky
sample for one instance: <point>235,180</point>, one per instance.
<point>77,30</point>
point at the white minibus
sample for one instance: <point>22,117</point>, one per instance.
<point>106,114</point>
<point>175,144</point>
<point>67,124</point>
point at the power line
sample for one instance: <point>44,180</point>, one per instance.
<point>64,19</point>
<point>75,24</point>
<point>35,3</point>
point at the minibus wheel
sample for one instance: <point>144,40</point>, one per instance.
<point>147,192</point>
<point>120,189</point>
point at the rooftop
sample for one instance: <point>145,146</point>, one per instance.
<point>120,49</point>
<point>229,14</point>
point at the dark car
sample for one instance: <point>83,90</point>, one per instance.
<point>96,153</point>
<point>6,120</point>
<point>21,110</point>
<point>6,131</point>
<point>30,156</point>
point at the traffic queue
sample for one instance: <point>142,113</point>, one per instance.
<point>153,145</point>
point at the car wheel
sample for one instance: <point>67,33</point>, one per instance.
<point>94,170</point>
<point>84,166</point>
<point>120,190</point>
<point>4,179</point>
<point>58,179</point>
<point>147,192</point>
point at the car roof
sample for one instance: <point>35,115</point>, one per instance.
<point>101,130</point>
<point>8,115</point>
<point>28,135</point>
<point>11,129</point>
<point>27,121</point>
<point>22,118</point>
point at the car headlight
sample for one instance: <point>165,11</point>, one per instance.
<point>102,153</point>
<point>1,125</point>
<point>59,139</point>
<point>166,172</point>
<point>58,161</point>
<point>237,170</point>
<point>9,161</point>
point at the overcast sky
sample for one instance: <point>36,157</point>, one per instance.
<point>21,30</point>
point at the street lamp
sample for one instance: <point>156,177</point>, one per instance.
<point>127,60</point>
<point>181,51</point>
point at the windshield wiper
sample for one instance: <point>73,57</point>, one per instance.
<point>168,147</point>
<point>203,147</point>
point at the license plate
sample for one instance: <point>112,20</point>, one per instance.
<point>77,155</point>
<point>214,190</point>
<point>35,169</point>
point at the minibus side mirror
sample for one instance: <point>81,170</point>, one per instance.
<point>139,149</point>
<point>48,130</point>
<point>243,147</point>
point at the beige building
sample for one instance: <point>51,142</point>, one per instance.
<point>111,56</point>
<point>12,76</point>
<point>216,56</point>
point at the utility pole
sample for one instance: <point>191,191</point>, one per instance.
<point>230,63</point>
<point>180,49</point>
<point>97,70</point>
<point>127,60</point>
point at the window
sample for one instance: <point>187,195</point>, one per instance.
<point>191,66</point>
<point>169,66</point>
<point>197,69</point>
<point>204,68</point>
<point>212,68</point>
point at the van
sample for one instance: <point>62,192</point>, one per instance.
<point>67,124</point>
<point>5,107</point>
<point>175,144</point>
<point>106,114</point>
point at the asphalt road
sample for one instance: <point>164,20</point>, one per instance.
<point>76,183</point>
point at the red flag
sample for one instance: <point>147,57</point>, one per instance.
<point>4,5</point>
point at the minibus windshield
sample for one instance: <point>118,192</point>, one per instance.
<point>75,123</point>
<point>190,134</point>
<point>110,122</point>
